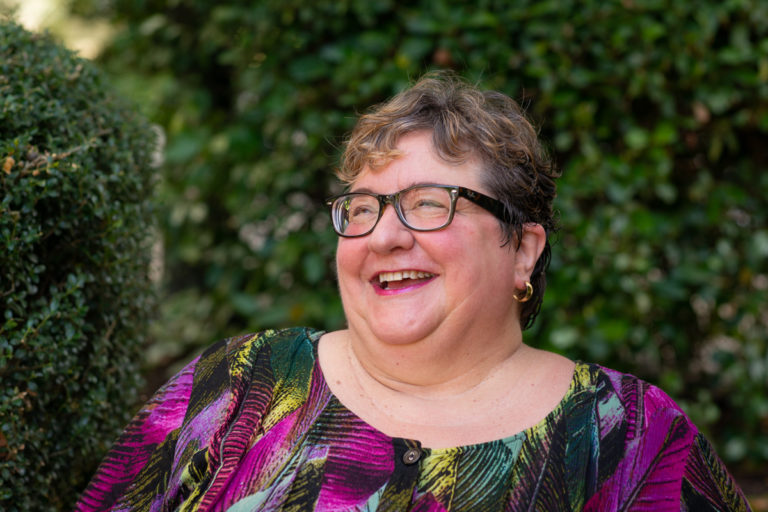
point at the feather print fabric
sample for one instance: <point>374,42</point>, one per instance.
<point>252,426</point>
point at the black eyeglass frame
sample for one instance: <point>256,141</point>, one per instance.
<point>494,206</point>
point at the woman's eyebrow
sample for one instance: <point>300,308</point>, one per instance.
<point>366,190</point>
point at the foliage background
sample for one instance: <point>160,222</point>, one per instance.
<point>656,112</point>
<point>657,115</point>
<point>75,294</point>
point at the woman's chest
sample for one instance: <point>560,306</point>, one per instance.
<point>330,459</point>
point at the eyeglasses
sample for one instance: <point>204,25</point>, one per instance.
<point>420,208</point>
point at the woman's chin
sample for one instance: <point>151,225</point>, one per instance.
<point>399,332</point>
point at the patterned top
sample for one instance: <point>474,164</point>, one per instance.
<point>252,425</point>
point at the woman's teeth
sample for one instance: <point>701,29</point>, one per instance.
<point>386,277</point>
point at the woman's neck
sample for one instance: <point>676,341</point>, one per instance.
<point>434,367</point>
<point>451,405</point>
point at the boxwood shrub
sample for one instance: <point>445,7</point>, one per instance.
<point>75,294</point>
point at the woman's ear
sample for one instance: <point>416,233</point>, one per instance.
<point>531,245</point>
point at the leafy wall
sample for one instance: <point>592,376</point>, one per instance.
<point>657,113</point>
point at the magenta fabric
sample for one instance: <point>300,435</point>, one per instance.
<point>252,425</point>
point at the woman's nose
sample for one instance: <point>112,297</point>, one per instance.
<point>390,233</point>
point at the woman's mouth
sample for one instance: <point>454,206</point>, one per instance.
<point>402,279</point>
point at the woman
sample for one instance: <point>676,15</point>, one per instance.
<point>429,399</point>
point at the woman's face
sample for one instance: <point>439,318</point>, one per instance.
<point>457,280</point>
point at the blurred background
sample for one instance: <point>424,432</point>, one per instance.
<point>656,114</point>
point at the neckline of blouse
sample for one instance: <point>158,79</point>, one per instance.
<point>576,382</point>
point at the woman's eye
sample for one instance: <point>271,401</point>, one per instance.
<point>361,211</point>
<point>426,204</point>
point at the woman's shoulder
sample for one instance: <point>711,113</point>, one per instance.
<point>646,447</point>
<point>240,350</point>
<point>284,337</point>
<point>624,399</point>
<point>232,371</point>
<point>625,386</point>
<point>232,366</point>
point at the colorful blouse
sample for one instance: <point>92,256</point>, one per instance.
<point>251,425</point>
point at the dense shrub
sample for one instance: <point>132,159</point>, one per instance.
<point>74,290</point>
<point>657,113</point>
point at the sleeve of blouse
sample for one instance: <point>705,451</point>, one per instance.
<point>142,457</point>
<point>707,485</point>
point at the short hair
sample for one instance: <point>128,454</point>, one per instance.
<point>467,122</point>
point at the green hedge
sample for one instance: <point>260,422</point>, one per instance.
<point>75,296</point>
<point>656,111</point>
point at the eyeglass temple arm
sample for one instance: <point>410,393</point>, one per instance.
<point>494,206</point>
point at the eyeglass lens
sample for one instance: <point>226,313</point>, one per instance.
<point>422,208</point>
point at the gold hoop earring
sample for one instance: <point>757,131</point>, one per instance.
<point>528,293</point>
